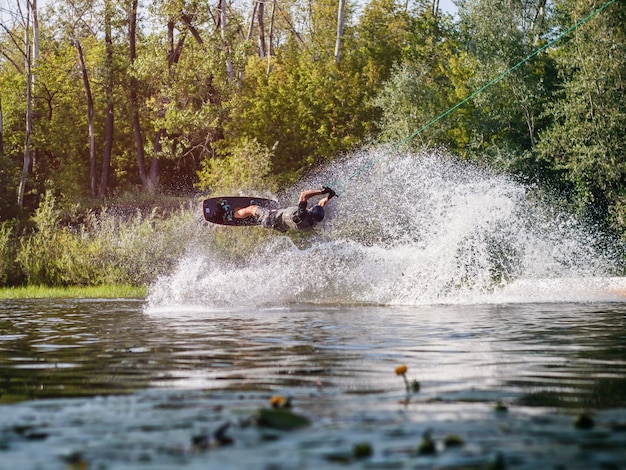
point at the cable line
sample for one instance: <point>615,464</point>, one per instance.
<point>343,183</point>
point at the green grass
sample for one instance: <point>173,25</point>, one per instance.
<point>92,292</point>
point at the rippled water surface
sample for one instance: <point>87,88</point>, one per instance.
<point>120,384</point>
<point>509,314</point>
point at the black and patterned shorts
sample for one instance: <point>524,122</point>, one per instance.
<point>270,218</point>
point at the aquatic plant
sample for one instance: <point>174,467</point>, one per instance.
<point>426,445</point>
<point>281,419</point>
<point>411,386</point>
<point>584,421</point>
<point>362,450</point>
<point>500,407</point>
<point>279,416</point>
<point>279,401</point>
<point>453,440</point>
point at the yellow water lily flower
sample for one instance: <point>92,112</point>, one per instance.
<point>401,370</point>
<point>278,401</point>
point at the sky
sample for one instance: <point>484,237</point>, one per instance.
<point>448,6</point>
<point>445,5</point>
<point>8,6</point>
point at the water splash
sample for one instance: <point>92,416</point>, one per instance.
<point>414,229</point>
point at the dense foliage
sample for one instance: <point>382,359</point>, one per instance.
<point>178,96</point>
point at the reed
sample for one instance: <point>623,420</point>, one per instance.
<point>74,292</point>
<point>97,248</point>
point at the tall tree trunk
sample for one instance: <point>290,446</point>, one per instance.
<point>1,129</point>
<point>435,7</point>
<point>173,55</point>
<point>223,19</point>
<point>90,113</point>
<point>35,32</point>
<point>134,97</point>
<point>271,37</point>
<point>340,21</point>
<point>252,18</point>
<point>255,7</point>
<point>110,116</point>
<point>271,34</point>
<point>154,164</point>
<point>29,117</point>
<point>35,62</point>
<point>192,29</point>
<point>537,24</point>
<point>261,23</point>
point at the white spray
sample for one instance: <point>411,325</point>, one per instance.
<point>412,229</point>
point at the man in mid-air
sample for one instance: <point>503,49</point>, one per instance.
<point>298,217</point>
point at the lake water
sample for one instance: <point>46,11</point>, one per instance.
<point>120,384</point>
<point>509,313</point>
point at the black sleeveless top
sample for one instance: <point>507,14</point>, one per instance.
<point>296,218</point>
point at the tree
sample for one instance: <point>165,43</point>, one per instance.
<point>307,110</point>
<point>340,24</point>
<point>185,86</point>
<point>29,90</point>
<point>7,178</point>
<point>424,75</point>
<point>78,25</point>
<point>90,117</point>
<point>1,129</point>
<point>133,90</point>
<point>261,23</point>
<point>109,130</point>
<point>224,31</point>
<point>382,38</point>
<point>247,166</point>
<point>498,36</point>
<point>585,140</point>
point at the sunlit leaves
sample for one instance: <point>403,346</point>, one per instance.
<point>431,73</point>
<point>585,140</point>
<point>244,167</point>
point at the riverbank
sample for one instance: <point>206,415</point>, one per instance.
<point>74,292</point>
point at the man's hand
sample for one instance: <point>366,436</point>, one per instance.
<point>330,192</point>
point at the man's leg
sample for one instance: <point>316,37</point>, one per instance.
<point>243,212</point>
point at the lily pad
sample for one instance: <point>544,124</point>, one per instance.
<point>281,419</point>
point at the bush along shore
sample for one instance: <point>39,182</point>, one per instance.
<point>119,251</point>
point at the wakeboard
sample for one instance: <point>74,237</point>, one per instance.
<point>219,210</point>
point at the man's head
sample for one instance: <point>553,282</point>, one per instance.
<point>316,213</point>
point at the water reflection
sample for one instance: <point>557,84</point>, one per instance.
<point>73,348</point>
<point>559,355</point>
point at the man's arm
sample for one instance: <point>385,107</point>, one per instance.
<point>308,194</point>
<point>323,201</point>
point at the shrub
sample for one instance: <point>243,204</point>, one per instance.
<point>247,166</point>
<point>7,252</point>
<point>104,248</point>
